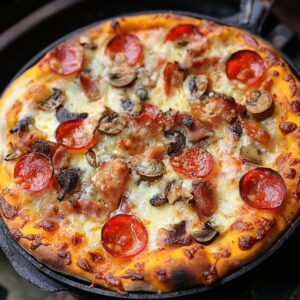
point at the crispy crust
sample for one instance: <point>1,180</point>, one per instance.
<point>169,268</point>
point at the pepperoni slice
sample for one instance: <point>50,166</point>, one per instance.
<point>67,59</point>
<point>193,163</point>
<point>246,66</point>
<point>124,236</point>
<point>127,44</point>
<point>172,76</point>
<point>33,171</point>
<point>75,135</point>
<point>183,32</point>
<point>262,188</point>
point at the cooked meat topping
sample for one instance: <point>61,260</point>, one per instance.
<point>63,115</point>
<point>178,142</point>
<point>67,180</point>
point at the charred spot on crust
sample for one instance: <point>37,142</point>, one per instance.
<point>9,211</point>
<point>21,125</point>
<point>63,115</point>
<point>177,235</point>
<point>210,276</point>
<point>66,256</point>
<point>47,225</point>
<point>133,275</point>
<point>67,180</point>
<point>181,278</point>
<point>84,265</point>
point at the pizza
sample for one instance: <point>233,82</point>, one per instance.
<point>151,153</point>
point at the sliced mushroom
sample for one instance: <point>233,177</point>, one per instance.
<point>158,200</point>
<point>14,153</point>
<point>250,154</point>
<point>145,78</point>
<point>259,102</point>
<point>91,158</point>
<point>55,100</point>
<point>178,143</point>
<point>21,125</point>
<point>148,168</point>
<point>175,192</point>
<point>205,235</point>
<point>87,42</point>
<point>196,85</point>
<point>112,123</point>
<point>121,76</point>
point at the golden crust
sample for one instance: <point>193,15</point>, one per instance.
<point>168,268</point>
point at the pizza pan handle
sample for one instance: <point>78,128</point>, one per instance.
<point>23,267</point>
<point>254,13</point>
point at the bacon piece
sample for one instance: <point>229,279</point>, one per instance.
<point>61,158</point>
<point>90,86</point>
<point>256,132</point>
<point>197,131</point>
<point>111,182</point>
<point>204,198</point>
<point>172,76</point>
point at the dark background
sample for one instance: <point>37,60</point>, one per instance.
<point>276,279</point>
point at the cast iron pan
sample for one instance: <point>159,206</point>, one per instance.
<point>251,19</point>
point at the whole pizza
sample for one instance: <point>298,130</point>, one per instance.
<point>151,152</point>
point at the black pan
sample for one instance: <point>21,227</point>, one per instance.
<point>251,19</point>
